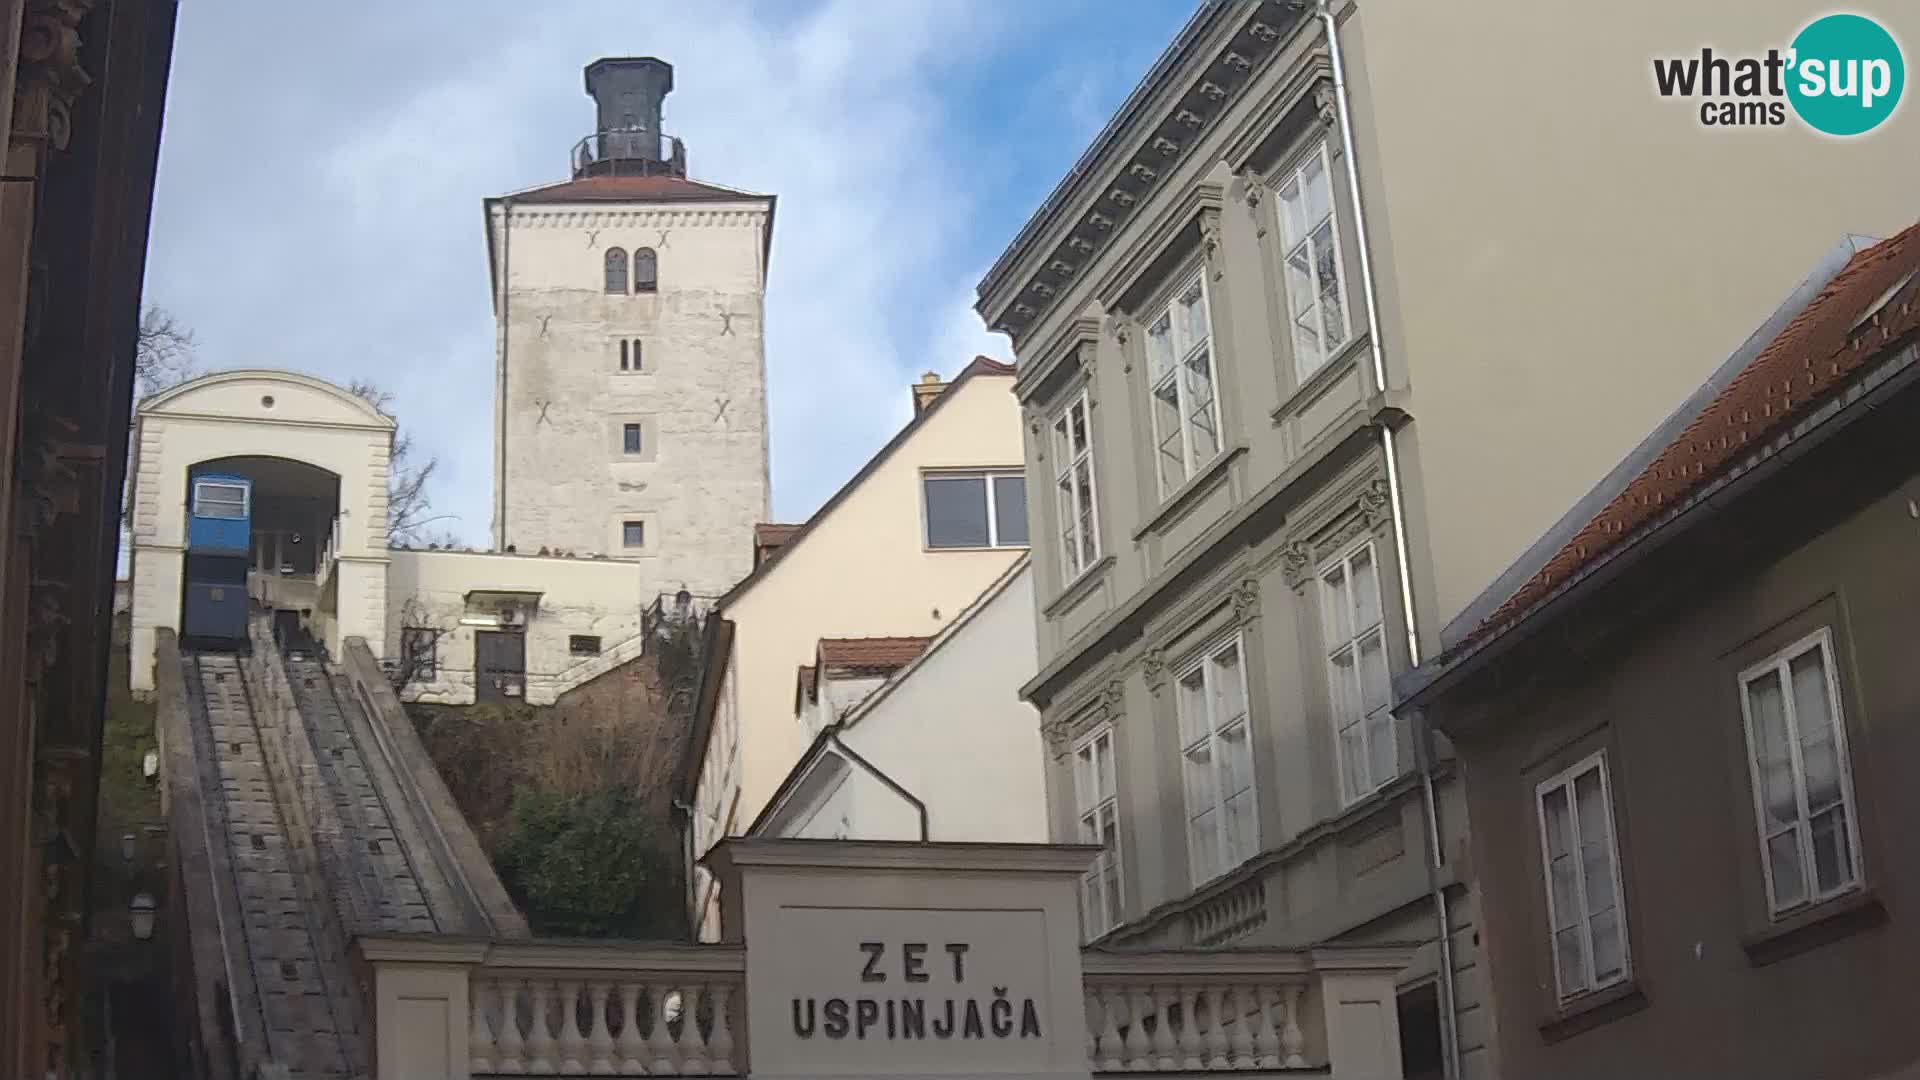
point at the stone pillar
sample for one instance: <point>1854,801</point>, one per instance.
<point>420,1006</point>
<point>860,949</point>
<point>1363,1025</point>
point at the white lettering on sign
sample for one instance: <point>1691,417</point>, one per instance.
<point>955,1015</point>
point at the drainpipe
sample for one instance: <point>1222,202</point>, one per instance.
<point>500,379</point>
<point>1423,745</point>
<point>833,736</point>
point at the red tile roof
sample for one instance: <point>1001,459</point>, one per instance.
<point>769,535</point>
<point>874,654</point>
<point>985,365</point>
<point>1817,350</point>
<point>631,189</point>
<point>805,685</point>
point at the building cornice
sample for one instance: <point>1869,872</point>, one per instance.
<point>1205,73</point>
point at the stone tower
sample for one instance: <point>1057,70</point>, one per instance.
<point>630,367</point>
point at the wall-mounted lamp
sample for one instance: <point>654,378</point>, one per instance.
<point>150,766</point>
<point>140,913</point>
<point>128,847</point>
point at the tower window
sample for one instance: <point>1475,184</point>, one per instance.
<point>617,271</point>
<point>630,438</point>
<point>633,534</point>
<point>646,270</point>
<point>630,355</point>
<point>583,644</point>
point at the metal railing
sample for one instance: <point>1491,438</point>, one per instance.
<point>629,152</point>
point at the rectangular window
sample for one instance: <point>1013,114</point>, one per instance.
<point>633,534</point>
<point>419,649</point>
<point>1097,804</point>
<point>1316,293</point>
<point>1359,686</point>
<point>212,499</point>
<point>1585,915</point>
<point>1802,779</point>
<point>1186,411</point>
<point>976,510</point>
<point>630,438</point>
<point>1217,761</point>
<point>1073,483</point>
<point>583,644</point>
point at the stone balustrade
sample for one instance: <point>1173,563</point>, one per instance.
<point>545,1008</point>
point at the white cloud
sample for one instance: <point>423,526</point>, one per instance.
<point>326,216</point>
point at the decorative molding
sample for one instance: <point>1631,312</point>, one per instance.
<point>1153,666</point>
<point>50,77</point>
<point>1327,104</point>
<point>1246,601</point>
<point>1297,559</point>
<point>1114,698</point>
<point>1105,706</point>
<point>1127,175</point>
<point>1210,240</point>
<point>1374,504</point>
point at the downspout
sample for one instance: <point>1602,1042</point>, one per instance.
<point>1423,743</point>
<point>833,736</point>
<point>500,379</point>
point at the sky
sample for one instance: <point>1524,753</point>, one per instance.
<point>322,168</point>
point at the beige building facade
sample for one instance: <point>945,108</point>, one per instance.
<point>1301,374</point>
<point>899,551</point>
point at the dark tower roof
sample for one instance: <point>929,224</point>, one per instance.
<point>628,93</point>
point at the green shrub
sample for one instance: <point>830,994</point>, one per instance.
<point>588,865</point>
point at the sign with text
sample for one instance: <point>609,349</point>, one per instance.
<point>897,989</point>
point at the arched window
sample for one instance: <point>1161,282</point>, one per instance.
<point>617,271</point>
<point>645,270</point>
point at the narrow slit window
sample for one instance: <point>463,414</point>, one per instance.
<point>630,438</point>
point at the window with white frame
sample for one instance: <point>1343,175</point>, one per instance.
<point>1216,752</point>
<point>1180,371</point>
<point>1073,486</point>
<point>1316,292</point>
<point>1802,779</point>
<point>976,509</point>
<point>1096,801</point>
<point>1359,685</point>
<point>1585,913</point>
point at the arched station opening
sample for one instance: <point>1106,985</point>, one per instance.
<point>292,513</point>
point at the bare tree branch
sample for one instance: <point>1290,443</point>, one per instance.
<point>163,354</point>
<point>409,509</point>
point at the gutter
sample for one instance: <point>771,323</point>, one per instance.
<point>833,737</point>
<point>1423,734</point>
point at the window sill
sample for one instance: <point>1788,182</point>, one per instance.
<point>1827,922</point>
<point>1186,494</point>
<point>1324,376</point>
<point>1590,1010</point>
<point>1080,586</point>
<point>931,550</point>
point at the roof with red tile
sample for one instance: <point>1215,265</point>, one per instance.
<point>632,189</point>
<point>769,535</point>
<point>805,684</point>
<point>874,654</point>
<point>1823,345</point>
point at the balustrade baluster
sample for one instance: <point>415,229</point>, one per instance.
<point>1217,1028</point>
<point>1110,1046</point>
<point>1266,1040</point>
<point>722,1042</point>
<point>660,1040</point>
<point>1192,1047</point>
<point>1138,1058</point>
<point>1293,1042</point>
<point>479,1037</point>
<point>632,1046</point>
<point>599,1038</point>
<point>693,1047</point>
<point>1241,1037</point>
<point>572,1044</point>
<point>1164,998</point>
<point>512,1048</point>
<point>1094,1016</point>
<point>539,1038</point>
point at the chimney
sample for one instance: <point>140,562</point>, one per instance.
<point>627,93</point>
<point>925,391</point>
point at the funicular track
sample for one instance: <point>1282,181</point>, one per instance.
<point>298,980</point>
